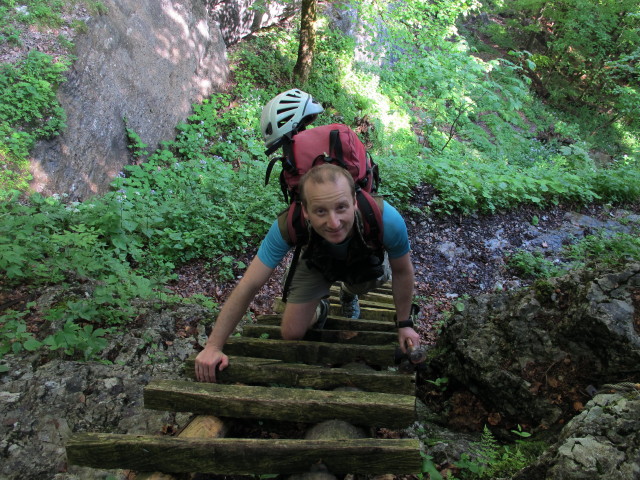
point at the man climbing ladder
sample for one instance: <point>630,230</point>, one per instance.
<point>339,232</point>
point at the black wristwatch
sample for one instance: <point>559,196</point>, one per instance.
<point>409,321</point>
<point>404,323</point>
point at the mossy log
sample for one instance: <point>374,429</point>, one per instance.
<point>325,335</point>
<point>315,353</point>
<point>264,371</point>
<point>231,456</point>
<point>278,403</point>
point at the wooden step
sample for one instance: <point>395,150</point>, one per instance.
<point>263,371</point>
<point>315,353</point>
<point>202,426</point>
<point>278,403</point>
<point>368,310</point>
<point>376,296</point>
<point>325,335</point>
<point>339,323</point>
<point>229,456</point>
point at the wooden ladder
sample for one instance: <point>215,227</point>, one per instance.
<point>337,356</point>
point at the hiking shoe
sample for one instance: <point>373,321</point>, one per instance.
<point>322,312</point>
<point>350,304</point>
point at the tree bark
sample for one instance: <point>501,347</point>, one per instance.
<point>307,45</point>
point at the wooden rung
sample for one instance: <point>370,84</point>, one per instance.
<point>339,323</point>
<point>315,353</point>
<point>229,456</point>
<point>377,297</point>
<point>263,371</point>
<point>368,310</point>
<point>202,426</point>
<point>325,335</point>
<point>279,403</point>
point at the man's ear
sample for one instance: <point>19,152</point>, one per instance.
<point>305,215</point>
<point>355,201</point>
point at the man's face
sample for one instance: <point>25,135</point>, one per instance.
<point>330,209</point>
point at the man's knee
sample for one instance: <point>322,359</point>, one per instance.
<point>292,332</point>
<point>296,321</point>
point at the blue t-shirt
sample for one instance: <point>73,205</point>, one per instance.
<point>395,239</point>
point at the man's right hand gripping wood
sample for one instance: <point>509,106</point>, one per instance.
<point>208,362</point>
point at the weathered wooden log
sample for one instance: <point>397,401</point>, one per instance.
<point>278,403</point>
<point>377,297</point>
<point>230,456</point>
<point>318,353</point>
<point>325,335</point>
<point>339,323</point>
<point>264,371</point>
<point>202,426</point>
<point>369,310</point>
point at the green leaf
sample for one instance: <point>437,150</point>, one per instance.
<point>32,344</point>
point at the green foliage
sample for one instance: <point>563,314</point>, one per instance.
<point>607,249</point>
<point>532,265</point>
<point>585,52</point>
<point>14,337</point>
<point>72,338</point>
<point>603,247</point>
<point>488,459</point>
<point>29,111</point>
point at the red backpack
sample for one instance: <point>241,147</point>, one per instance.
<point>339,145</point>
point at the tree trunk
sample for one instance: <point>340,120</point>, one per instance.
<point>307,42</point>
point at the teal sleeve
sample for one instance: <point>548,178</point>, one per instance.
<point>273,248</point>
<point>395,238</point>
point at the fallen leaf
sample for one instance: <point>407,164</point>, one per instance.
<point>494,418</point>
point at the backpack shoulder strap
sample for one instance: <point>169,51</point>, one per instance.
<point>294,231</point>
<point>292,226</point>
<point>371,210</point>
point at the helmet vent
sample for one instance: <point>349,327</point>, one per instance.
<point>283,121</point>
<point>286,109</point>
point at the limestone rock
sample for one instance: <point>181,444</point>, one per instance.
<point>525,348</point>
<point>603,442</point>
<point>145,60</point>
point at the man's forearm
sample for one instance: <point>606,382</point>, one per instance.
<point>402,290</point>
<point>402,282</point>
<point>238,302</point>
<point>230,315</point>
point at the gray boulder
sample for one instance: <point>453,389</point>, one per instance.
<point>533,356</point>
<point>603,442</point>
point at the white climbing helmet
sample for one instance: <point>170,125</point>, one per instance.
<point>288,112</point>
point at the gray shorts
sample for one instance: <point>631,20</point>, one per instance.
<point>309,284</point>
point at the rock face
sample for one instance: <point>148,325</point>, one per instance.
<point>239,18</point>
<point>547,346</point>
<point>603,442</point>
<point>145,60</point>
